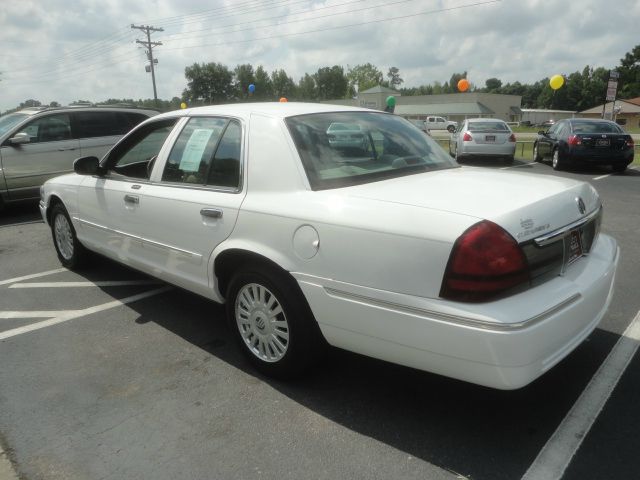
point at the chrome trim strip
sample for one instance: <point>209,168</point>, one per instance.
<point>135,237</point>
<point>454,319</point>
<point>561,232</point>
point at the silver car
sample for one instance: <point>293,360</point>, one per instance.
<point>40,143</point>
<point>483,137</point>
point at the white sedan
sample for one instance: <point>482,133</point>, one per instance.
<point>395,251</point>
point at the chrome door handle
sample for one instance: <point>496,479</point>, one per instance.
<point>131,199</point>
<point>66,149</point>
<point>211,212</point>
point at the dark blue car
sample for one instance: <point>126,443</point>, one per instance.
<point>584,141</point>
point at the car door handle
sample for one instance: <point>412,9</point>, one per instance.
<point>211,212</point>
<point>131,199</point>
<point>66,149</point>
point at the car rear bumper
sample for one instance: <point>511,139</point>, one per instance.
<point>609,157</point>
<point>503,344</point>
<point>487,150</point>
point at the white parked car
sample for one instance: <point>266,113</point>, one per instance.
<point>399,254</point>
<point>483,138</point>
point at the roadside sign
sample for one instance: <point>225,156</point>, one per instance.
<point>614,74</point>
<point>612,88</point>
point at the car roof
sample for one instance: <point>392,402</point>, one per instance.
<point>90,108</point>
<point>271,109</point>
<point>474,120</point>
<point>589,120</point>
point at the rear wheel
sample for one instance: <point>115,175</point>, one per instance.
<point>556,161</point>
<point>451,129</point>
<point>536,155</point>
<point>71,252</point>
<point>509,160</point>
<point>272,322</point>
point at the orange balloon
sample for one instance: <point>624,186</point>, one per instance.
<point>283,99</point>
<point>463,85</point>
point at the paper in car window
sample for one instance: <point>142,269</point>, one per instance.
<point>192,155</point>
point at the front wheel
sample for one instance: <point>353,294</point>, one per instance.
<point>272,322</point>
<point>536,155</point>
<point>71,252</point>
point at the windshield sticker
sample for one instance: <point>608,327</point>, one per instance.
<point>194,149</point>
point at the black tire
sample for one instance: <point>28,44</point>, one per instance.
<point>536,157</point>
<point>71,252</point>
<point>451,129</point>
<point>281,345</point>
<point>509,160</point>
<point>619,168</point>
<point>556,160</point>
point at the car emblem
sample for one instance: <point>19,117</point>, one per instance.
<point>581,206</point>
<point>526,224</point>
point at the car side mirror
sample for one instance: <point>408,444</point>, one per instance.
<point>542,132</point>
<point>20,138</point>
<point>88,166</point>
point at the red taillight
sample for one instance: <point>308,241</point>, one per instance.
<point>485,261</point>
<point>467,137</point>
<point>630,142</point>
<point>574,140</point>
<point>512,138</point>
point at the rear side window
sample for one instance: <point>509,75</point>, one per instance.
<point>105,124</point>
<point>207,152</point>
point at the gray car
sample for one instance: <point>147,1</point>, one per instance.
<point>483,138</point>
<point>40,143</point>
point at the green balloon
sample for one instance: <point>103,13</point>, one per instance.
<point>391,101</point>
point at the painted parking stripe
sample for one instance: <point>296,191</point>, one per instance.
<point>84,284</point>
<point>521,165</point>
<point>81,313</point>
<point>35,314</point>
<point>612,173</point>
<point>33,275</point>
<point>554,458</point>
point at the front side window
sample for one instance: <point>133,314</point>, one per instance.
<point>51,128</point>
<point>349,148</point>
<point>207,152</point>
<point>133,155</point>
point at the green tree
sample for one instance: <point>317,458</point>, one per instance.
<point>493,85</point>
<point>307,89</point>
<point>331,83</point>
<point>453,81</point>
<point>264,87</point>
<point>394,78</point>
<point>282,84</point>
<point>629,69</point>
<point>244,76</point>
<point>363,77</point>
<point>208,83</point>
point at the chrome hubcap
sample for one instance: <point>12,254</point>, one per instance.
<point>535,152</point>
<point>64,236</point>
<point>555,158</point>
<point>262,322</point>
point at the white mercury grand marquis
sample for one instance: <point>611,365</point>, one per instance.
<point>387,248</point>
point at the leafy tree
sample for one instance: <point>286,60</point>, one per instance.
<point>331,83</point>
<point>492,85</point>
<point>629,69</point>
<point>30,103</point>
<point>244,77</point>
<point>54,104</point>
<point>282,84</point>
<point>307,89</point>
<point>363,77</point>
<point>394,77</point>
<point>208,83</point>
<point>264,87</point>
<point>453,81</point>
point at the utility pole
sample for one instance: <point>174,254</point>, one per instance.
<point>149,44</point>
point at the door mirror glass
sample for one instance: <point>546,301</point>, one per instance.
<point>87,166</point>
<point>20,138</point>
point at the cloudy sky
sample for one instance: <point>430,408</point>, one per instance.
<point>66,50</point>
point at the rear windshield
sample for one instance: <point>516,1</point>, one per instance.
<point>8,121</point>
<point>374,146</point>
<point>488,127</point>
<point>596,127</point>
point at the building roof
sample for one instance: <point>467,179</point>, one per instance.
<point>545,110</point>
<point>381,89</point>
<point>628,106</point>
<point>466,108</point>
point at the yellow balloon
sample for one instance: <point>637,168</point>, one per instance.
<point>183,105</point>
<point>556,82</point>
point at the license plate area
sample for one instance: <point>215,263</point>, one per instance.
<point>602,142</point>
<point>490,138</point>
<point>573,246</point>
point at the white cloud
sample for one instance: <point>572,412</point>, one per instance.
<point>64,51</point>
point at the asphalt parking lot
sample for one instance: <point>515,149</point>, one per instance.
<point>109,374</point>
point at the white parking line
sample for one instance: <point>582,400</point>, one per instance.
<point>84,284</point>
<point>36,314</point>
<point>554,458</point>
<point>521,165</point>
<point>612,173</point>
<point>33,275</point>
<point>72,314</point>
